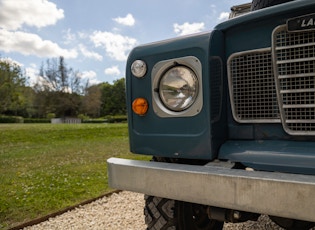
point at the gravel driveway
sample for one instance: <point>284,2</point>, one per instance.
<point>122,210</point>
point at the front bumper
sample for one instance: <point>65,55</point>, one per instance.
<point>277,194</point>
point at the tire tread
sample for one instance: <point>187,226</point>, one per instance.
<point>159,213</point>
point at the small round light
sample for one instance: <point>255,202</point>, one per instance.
<point>178,88</point>
<point>138,68</point>
<point>140,106</point>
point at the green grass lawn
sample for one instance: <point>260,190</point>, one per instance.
<point>45,167</point>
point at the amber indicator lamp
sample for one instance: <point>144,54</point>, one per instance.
<point>140,106</point>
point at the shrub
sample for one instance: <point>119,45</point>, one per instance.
<point>11,119</point>
<point>116,119</point>
<point>50,115</point>
<point>83,117</point>
<point>36,120</point>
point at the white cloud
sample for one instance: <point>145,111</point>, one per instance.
<point>69,37</point>
<point>39,13</point>
<point>11,61</point>
<point>224,16</point>
<point>115,45</point>
<point>188,28</point>
<point>83,35</point>
<point>114,70</point>
<point>88,74</point>
<point>91,76</point>
<point>90,54</point>
<point>32,73</point>
<point>32,44</point>
<point>126,21</point>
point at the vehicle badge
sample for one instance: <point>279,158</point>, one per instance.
<point>302,23</point>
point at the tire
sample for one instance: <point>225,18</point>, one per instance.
<point>259,4</point>
<point>166,214</point>
<point>291,224</point>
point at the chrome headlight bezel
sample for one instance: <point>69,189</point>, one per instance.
<point>160,70</point>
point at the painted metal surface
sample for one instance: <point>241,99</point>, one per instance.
<point>272,155</point>
<point>255,140</point>
<point>185,137</point>
<point>201,136</point>
<point>278,194</point>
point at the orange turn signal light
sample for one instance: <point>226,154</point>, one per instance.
<point>140,106</point>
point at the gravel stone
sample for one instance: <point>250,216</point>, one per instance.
<point>124,210</point>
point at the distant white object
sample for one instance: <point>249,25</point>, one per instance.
<point>67,120</point>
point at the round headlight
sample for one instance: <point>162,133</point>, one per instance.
<point>178,88</point>
<point>138,68</point>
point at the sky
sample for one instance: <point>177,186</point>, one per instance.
<point>96,36</point>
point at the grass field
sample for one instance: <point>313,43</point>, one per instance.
<point>45,167</point>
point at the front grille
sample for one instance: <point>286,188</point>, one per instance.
<point>252,87</point>
<point>295,79</point>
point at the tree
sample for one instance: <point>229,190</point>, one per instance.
<point>27,108</point>
<point>59,89</point>
<point>91,102</point>
<point>55,76</point>
<point>113,98</point>
<point>12,83</point>
<point>119,96</point>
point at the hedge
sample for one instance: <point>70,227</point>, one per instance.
<point>116,119</point>
<point>36,120</point>
<point>11,119</point>
<point>107,119</point>
<point>17,119</point>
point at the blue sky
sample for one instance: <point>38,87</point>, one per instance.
<point>96,36</point>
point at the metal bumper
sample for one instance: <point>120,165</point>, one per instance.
<point>278,194</point>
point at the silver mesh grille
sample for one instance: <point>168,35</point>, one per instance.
<point>252,87</point>
<point>295,79</point>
